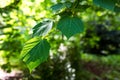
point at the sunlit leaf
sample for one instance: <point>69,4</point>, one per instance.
<point>42,28</point>
<point>35,52</point>
<point>70,26</point>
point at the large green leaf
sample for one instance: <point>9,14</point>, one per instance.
<point>109,4</point>
<point>35,52</point>
<point>70,26</point>
<point>42,28</point>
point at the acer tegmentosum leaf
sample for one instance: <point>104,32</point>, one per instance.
<point>42,28</point>
<point>59,6</point>
<point>35,52</point>
<point>109,4</point>
<point>70,26</point>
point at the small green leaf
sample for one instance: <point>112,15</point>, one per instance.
<point>35,52</point>
<point>42,28</point>
<point>57,7</point>
<point>70,26</point>
<point>60,6</point>
<point>68,4</point>
<point>109,4</point>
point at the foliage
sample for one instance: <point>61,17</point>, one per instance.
<point>10,37</point>
<point>69,26</point>
<point>69,23</point>
<point>58,23</point>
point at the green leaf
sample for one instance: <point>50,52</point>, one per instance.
<point>42,28</point>
<point>57,7</point>
<point>68,4</point>
<point>60,6</point>
<point>109,4</point>
<point>70,26</point>
<point>35,52</point>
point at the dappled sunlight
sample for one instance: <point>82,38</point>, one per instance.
<point>4,3</point>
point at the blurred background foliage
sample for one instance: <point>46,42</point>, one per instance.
<point>92,55</point>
